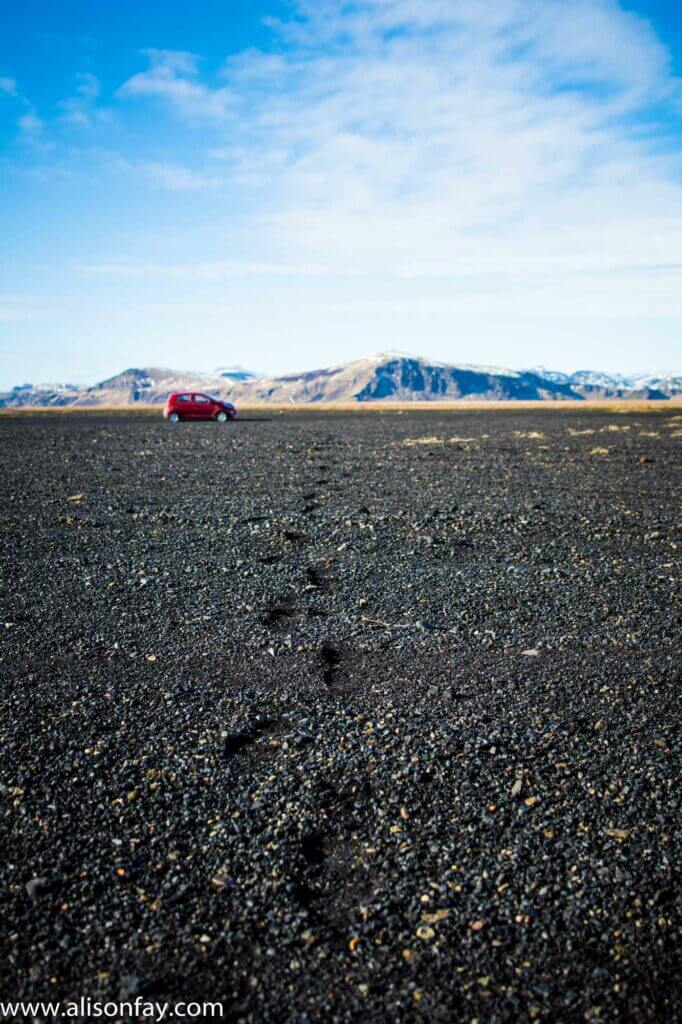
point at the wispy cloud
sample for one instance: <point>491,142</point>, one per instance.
<point>31,126</point>
<point>8,86</point>
<point>381,164</point>
<point>211,270</point>
<point>445,137</point>
<point>172,177</point>
<point>82,109</point>
<point>173,77</point>
<point>177,178</point>
<point>18,307</point>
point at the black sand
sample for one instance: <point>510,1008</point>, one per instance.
<point>329,726</point>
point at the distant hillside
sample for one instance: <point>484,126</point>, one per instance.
<point>404,378</point>
<point>389,376</point>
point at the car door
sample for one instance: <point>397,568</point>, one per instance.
<point>184,406</point>
<point>203,407</point>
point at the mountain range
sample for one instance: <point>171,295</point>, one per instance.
<point>384,377</point>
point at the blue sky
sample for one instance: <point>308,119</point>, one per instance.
<point>287,184</point>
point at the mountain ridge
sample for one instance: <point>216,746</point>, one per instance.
<point>389,376</point>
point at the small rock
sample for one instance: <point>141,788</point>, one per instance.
<point>35,886</point>
<point>437,915</point>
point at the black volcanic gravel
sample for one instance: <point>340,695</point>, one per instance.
<point>329,725</point>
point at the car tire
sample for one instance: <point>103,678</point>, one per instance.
<point>221,417</point>
<point>173,417</point>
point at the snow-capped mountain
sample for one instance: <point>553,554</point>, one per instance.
<point>383,377</point>
<point>236,373</point>
<point>669,383</point>
<point>397,377</point>
<point>596,384</point>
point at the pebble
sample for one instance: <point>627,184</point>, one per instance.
<point>459,805</point>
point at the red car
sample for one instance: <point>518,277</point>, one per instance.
<point>192,405</point>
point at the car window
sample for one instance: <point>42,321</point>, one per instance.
<point>183,398</point>
<point>201,398</point>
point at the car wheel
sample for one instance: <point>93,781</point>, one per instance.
<point>221,417</point>
<point>173,417</point>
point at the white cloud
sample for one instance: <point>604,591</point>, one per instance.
<point>18,307</point>
<point>421,162</point>
<point>9,86</point>
<point>177,178</point>
<point>210,270</point>
<point>170,176</point>
<point>443,138</point>
<point>173,77</point>
<point>82,110</point>
<point>88,85</point>
<point>31,126</point>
